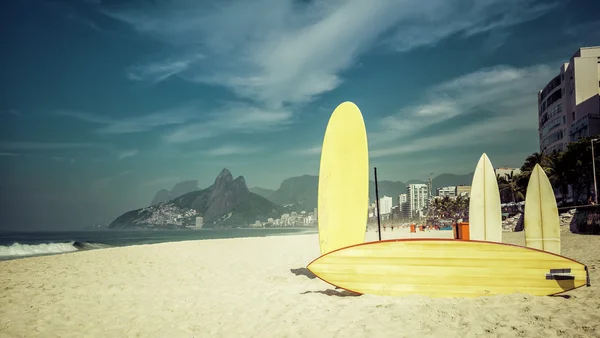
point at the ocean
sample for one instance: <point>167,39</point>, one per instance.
<point>15,245</point>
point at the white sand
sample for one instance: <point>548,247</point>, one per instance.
<point>259,287</point>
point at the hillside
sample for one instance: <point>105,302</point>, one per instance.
<point>262,191</point>
<point>300,193</point>
<point>178,189</point>
<point>227,202</point>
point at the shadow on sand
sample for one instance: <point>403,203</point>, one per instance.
<point>562,296</point>
<point>331,292</point>
<point>303,272</point>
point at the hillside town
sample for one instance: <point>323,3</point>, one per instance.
<point>292,219</point>
<point>417,203</point>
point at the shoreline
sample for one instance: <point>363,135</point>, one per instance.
<point>64,242</point>
<point>232,287</point>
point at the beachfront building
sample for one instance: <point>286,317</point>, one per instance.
<point>402,198</point>
<point>418,198</point>
<point>403,205</point>
<point>569,105</point>
<point>506,171</point>
<point>385,205</point>
<point>449,191</point>
<point>463,190</point>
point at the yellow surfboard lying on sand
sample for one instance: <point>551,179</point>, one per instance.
<point>541,221</point>
<point>448,268</point>
<point>343,180</point>
<point>485,212</point>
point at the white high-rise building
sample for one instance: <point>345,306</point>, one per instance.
<point>506,171</point>
<point>385,205</point>
<point>418,198</point>
<point>569,105</point>
<point>402,198</point>
<point>403,205</point>
<point>449,191</point>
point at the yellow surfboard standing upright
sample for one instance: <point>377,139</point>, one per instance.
<point>485,211</point>
<point>541,221</point>
<point>343,180</point>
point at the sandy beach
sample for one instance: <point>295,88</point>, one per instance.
<point>259,287</point>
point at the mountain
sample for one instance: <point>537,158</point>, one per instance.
<point>297,193</point>
<point>300,193</point>
<point>262,191</point>
<point>179,189</point>
<point>387,188</point>
<point>227,202</point>
<point>445,180</point>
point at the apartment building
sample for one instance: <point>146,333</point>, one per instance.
<point>446,191</point>
<point>385,205</point>
<point>506,171</point>
<point>417,200</point>
<point>463,190</point>
<point>569,105</point>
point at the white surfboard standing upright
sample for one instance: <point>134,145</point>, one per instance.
<point>541,221</point>
<point>485,212</point>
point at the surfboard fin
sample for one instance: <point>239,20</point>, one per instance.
<point>560,274</point>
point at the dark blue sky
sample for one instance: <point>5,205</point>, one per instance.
<point>105,102</point>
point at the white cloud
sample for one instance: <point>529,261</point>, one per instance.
<point>161,70</point>
<point>163,181</point>
<point>227,150</point>
<point>13,112</point>
<point>136,124</point>
<point>316,150</point>
<point>507,96</point>
<point>193,122</point>
<point>128,153</point>
<point>232,118</point>
<point>277,51</point>
<point>24,145</point>
<point>433,20</point>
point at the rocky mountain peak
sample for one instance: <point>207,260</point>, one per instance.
<point>226,194</point>
<point>224,178</point>
<point>239,185</point>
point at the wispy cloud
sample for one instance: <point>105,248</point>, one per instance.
<point>162,181</point>
<point>22,145</point>
<point>294,51</point>
<point>234,117</point>
<point>160,70</point>
<point>316,150</point>
<point>9,154</point>
<point>128,153</point>
<point>14,112</point>
<point>491,102</point>
<point>126,172</point>
<point>425,23</point>
<point>136,124</point>
<point>583,29</point>
<point>228,150</point>
<point>193,122</point>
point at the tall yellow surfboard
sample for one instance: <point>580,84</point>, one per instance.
<point>485,212</point>
<point>448,268</point>
<point>343,180</point>
<point>541,221</point>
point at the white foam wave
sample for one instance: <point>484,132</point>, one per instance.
<point>18,249</point>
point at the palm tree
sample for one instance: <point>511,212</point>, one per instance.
<point>509,185</point>
<point>461,206</point>
<point>450,208</point>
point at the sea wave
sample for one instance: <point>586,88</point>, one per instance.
<point>19,250</point>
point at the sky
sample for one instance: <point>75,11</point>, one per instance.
<point>103,103</point>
